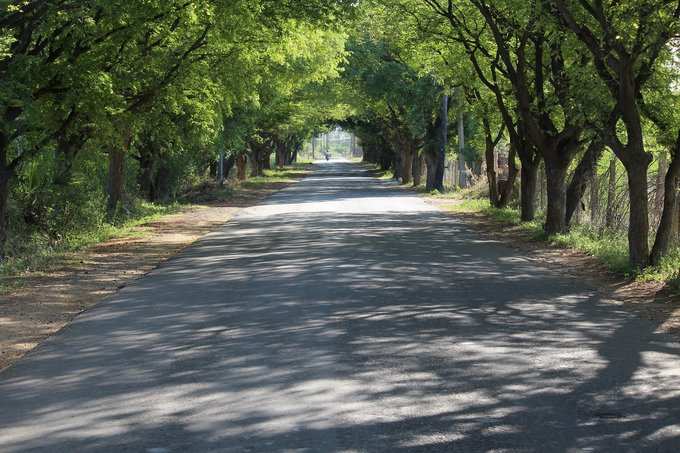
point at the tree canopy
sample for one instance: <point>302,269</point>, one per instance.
<point>106,102</point>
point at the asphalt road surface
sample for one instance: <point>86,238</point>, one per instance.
<point>346,315</point>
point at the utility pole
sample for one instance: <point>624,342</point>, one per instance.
<point>462,170</point>
<point>313,145</point>
<point>439,180</point>
<point>461,149</point>
<point>445,124</point>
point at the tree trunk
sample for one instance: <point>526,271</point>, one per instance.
<point>638,229</point>
<point>255,169</point>
<point>220,166</point>
<point>259,159</point>
<point>6,175</point>
<point>444,137</point>
<point>677,223</point>
<point>115,180</point>
<point>147,170</point>
<point>556,177</point>
<point>434,152</point>
<point>594,198</point>
<point>665,233</point>
<point>266,161</point>
<point>396,165</point>
<point>636,162</point>
<point>462,166</point>
<point>579,182</point>
<point>280,155</point>
<point>529,181</point>
<point>430,171</point>
<point>229,164</point>
<point>542,187</point>
<point>490,159</point>
<point>659,190</point>
<point>611,194</point>
<point>5,178</point>
<point>507,188</point>
<point>417,168</point>
<point>407,165</point>
<point>241,167</point>
<point>491,162</point>
<point>435,173</point>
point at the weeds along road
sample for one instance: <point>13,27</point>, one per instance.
<point>345,315</point>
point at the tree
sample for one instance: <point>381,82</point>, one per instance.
<point>101,73</point>
<point>626,41</point>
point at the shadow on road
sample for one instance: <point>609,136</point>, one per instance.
<point>309,332</point>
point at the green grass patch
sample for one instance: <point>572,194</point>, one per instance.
<point>37,251</point>
<point>508,216</point>
<point>609,247</point>
<point>284,175</point>
<point>465,206</point>
<point>292,171</point>
<point>668,270</point>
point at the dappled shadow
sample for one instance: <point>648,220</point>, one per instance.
<point>367,329</point>
<point>39,303</point>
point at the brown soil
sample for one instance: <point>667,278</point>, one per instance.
<point>46,301</point>
<point>653,300</point>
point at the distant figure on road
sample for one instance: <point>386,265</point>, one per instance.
<point>327,156</point>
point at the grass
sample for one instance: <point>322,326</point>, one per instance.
<point>668,270</point>
<point>279,175</point>
<point>38,252</point>
<point>609,247</point>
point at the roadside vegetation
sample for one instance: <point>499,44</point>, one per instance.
<point>565,111</point>
<point>37,250</point>
<point>607,245</point>
<point>114,114</point>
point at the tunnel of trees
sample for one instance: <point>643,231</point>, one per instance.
<point>564,110</point>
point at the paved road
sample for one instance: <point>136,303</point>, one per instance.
<point>344,315</point>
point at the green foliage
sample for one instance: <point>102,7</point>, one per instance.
<point>667,271</point>
<point>172,82</point>
<point>175,84</point>
<point>609,247</point>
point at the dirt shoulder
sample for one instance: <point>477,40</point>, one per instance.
<point>47,301</point>
<point>653,300</point>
